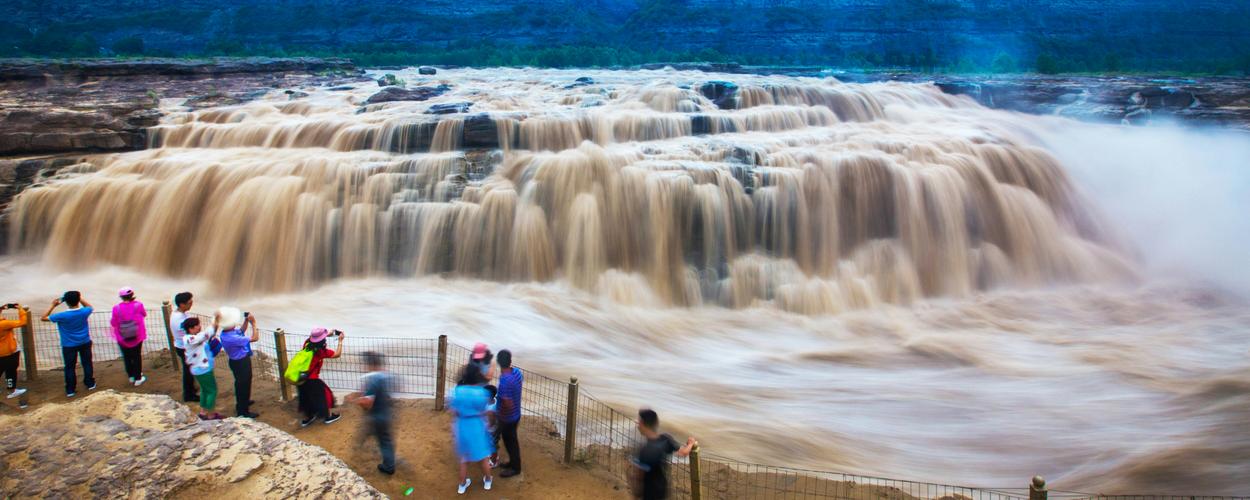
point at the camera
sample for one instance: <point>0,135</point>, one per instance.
<point>11,306</point>
<point>336,333</point>
<point>246,314</point>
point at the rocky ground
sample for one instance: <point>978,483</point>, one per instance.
<point>112,444</point>
<point>161,450</point>
<point>75,106</point>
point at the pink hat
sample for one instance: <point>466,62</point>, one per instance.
<point>318,334</point>
<point>479,351</point>
<point>125,291</point>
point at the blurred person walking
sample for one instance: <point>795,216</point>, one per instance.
<point>130,331</point>
<point>10,356</point>
<point>72,326</point>
<point>315,397</point>
<point>182,303</point>
<point>468,408</point>
<point>649,478</point>
<point>238,347</point>
<point>375,398</point>
<point>510,384</point>
<point>200,362</point>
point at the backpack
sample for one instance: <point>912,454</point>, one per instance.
<point>128,329</point>
<point>297,370</point>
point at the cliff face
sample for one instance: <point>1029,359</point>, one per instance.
<point>902,29</point>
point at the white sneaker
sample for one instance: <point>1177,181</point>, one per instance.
<point>69,394</point>
<point>141,380</point>
<point>486,483</point>
<point>464,486</point>
<point>91,387</point>
<point>16,393</point>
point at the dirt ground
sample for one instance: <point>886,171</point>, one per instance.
<point>426,460</point>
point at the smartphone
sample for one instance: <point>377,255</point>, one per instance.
<point>246,314</point>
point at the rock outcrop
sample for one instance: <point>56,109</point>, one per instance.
<point>76,106</point>
<point>392,94</point>
<point>114,445</point>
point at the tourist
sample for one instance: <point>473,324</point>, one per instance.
<point>492,423</point>
<point>468,408</point>
<point>129,331</point>
<point>75,338</point>
<point>315,397</point>
<point>375,398</point>
<point>9,355</point>
<point>238,347</point>
<point>200,361</point>
<point>650,475</point>
<point>482,358</point>
<point>510,383</point>
<point>182,305</point>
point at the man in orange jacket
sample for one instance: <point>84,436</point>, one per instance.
<point>9,355</point>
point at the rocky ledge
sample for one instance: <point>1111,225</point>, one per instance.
<point>113,445</point>
<point>75,106</point>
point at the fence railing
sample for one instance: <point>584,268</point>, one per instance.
<point>595,434</point>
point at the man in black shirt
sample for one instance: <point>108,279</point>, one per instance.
<point>650,474</point>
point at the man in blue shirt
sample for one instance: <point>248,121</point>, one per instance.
<point>75,339</point>
<point>376,400</point>
<point>510,381</point>
<point>238,347</point>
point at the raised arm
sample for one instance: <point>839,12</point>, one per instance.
<point>338,351</point>
<point>9,324</point>
<point>55,302</point>
<point>251,319</point>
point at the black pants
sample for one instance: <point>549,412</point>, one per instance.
<point>71,355</point>
<point>386,444</point>
<point>188,380</point>
<point>242,369</point>
<point>132,358</point>
<point>8,365</point>
<point>507,430</point>
<point>312,399</point>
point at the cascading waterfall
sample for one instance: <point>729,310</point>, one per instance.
<point>812,195</point>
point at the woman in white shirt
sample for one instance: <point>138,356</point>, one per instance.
<point>200,362</point>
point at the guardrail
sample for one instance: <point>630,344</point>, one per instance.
<point>594,433</point>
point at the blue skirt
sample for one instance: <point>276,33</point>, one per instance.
<point>473,442</point>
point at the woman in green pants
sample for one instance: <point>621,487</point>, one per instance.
<point>200,361</point>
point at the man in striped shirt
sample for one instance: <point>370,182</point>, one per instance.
<point>510,381</point>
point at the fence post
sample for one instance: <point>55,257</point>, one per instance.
<point>570,425</point>
<point>28,346</point>
<point>1037,489</point>
<point>696,483</point>
<point>166,310</point>
<point>440,375</point>
<point>279,342</point>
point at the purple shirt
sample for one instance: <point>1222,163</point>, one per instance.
<point>237,345</point>
<point>510,389</point>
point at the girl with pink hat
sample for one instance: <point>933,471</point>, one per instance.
<point>315,397</point>
<point>129,331</point>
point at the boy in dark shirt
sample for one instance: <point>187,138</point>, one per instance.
<point>650,474</point>
<point>376,400</point>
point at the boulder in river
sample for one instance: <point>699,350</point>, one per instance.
<point>448,108</point>
<point>723,94</point>
<point>427,70</point>
<point>391,94</point>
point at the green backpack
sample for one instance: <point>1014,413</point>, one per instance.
<point>297,370</point>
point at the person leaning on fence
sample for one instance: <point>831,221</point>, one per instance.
<point>649,478</point>
<point>75,339</point>
<point>130,331</point>
<point>315,397</point>
<point>510,383</point>
<point>182,304</point>
<point>238,347</point>
<point>375,398</point>
<point>468,408</point>
<point>201,361</point>
<point>9,355</point>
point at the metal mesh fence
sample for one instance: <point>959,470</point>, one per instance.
<point>605,437</point>
<point>103,345</point>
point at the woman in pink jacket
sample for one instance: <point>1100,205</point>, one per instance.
<point>129,332</point>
